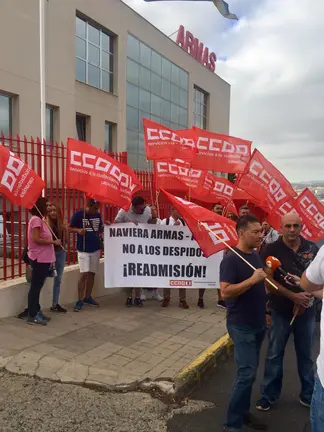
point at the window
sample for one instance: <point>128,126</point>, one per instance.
<point>81,127</point>
<point>200,101</point>
<point>108,137</point>
<point>5,115</point>
<point>94,55</point>
<point>157,89</point>
<point>49,124</point>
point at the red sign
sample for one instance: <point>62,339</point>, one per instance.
<point>196,49</point>
<point>19,183</point>
<point>90,170</point>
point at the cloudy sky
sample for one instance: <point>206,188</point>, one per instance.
<point>274,60</point>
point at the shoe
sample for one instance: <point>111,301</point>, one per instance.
<point>253,422</point>
<point>221,304</point>
<point>201,303</point>
<point>183,304</point>
<point>157,296</point>
<point>138,302</point>
<point>58,308</point>
<point>45,317</point>
<point>305,403</point>
<point>78,306</point>
<point>143,297</point>
<point>129,302</point>
<point>38,319</point>
<point>165,303</point>
<point>90,301</point>
<point>263,404</point>
<point>23,315</point>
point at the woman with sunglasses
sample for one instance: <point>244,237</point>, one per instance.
<point>60,231</point>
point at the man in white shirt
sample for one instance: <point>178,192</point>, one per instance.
<point>174,220</point>
<point>269,235</point>
<point>313,280</point>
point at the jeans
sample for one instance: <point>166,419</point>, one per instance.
<point>317,407</point>
<point>59,267</point>
<point>39,275</point>
<point>303,329</point>
<point>247,345</point>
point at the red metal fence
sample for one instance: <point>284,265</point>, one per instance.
<point>50,158</point>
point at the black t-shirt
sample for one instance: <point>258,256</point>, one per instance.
<point>249,307</point>
<point>292,262</point>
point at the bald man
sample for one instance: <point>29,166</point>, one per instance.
<point>295,254</point>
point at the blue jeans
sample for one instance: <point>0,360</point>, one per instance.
<point>317,407</point>
<point>59,267</point>
<point>303,329</point>
<point>247,345</point>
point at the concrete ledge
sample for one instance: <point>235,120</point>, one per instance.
<point>13,293</point>
<point>189,378</point>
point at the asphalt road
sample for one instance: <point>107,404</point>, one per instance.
<point>211,400</point>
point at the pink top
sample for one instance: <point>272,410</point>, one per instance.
<point>43,253</point>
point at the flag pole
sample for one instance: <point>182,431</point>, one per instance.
<point>234,251</point>
<point>84,217</point>
<point>42,81</point>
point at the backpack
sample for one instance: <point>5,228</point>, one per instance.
<point>180,219</point>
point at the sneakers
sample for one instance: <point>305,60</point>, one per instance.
<point>165,303</point>
<point>37,320</point>
<point>23,315</point>
<point>304,403</point>
<point>201,303</point>
<point>253,422</point>
<point>90,301</point>
<point>58,308</point>
<point>78,306</point>
<point>157,296</point>
<point>138,302</point>
<point>129,302</point>
<point>183,304</point>
<point>263,404</point>
<point>221,304</point>
<point>45,317</point>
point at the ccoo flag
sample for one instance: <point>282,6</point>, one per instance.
<point>221,5</point>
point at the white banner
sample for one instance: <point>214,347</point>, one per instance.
<point>157,256</point>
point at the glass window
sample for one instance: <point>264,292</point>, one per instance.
<point>166,110</point>
<point>184,79</point>
<point>49,124</point>
<point>144,100</point>
<point>133,48</point>
<point>132,141</point>
<point>132,118</point>
<point>183,98</point>
<point>94,56</point>
<point>142,115</point>
<point>145,55</point>
<point>183,117</point>
<point>200,108</point>
<point>166,89</point>
<point>141,147</point>
<point>175,94</point>
<point>174,113</point>
<point>156,84</point>
<point>142,164</point>
<point>108,137</point>
<point>145,78</point>
<point>81,127</point>
<point>132,72</point>
<point>156,105</point>
<point>175,74</point>
<point>166,69</point>
<point>132,159</point>
<point>132,95</point>
<point>156,62</point>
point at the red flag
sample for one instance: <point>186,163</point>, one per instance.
<point>265,183</point>
<point>195,216</point>
<point>214,189</point>
<point>309,232</point>
<point>164,143</point>
<point>312,209</point>
<point>177,175</point>
<point>19,183</point>
<point>230,208</point>
<point>101,177</point>
<point>240,194</point>
<point>218,152</point>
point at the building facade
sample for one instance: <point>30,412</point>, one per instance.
<point>106,69</point>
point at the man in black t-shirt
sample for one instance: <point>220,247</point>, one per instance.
<point>295,254</point>
<point>244,292</point>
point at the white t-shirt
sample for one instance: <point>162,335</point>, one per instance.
<point>171,221</point>
<point>315,274</point>
<point>130,216</point>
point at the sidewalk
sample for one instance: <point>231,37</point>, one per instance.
<point>113,346</point>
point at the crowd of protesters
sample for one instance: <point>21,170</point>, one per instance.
<point>247,295</point>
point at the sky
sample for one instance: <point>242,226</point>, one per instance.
<point>274,60</point>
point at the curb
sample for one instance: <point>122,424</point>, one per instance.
<point>189,378</point>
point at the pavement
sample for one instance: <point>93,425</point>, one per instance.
<point>206,409</point>
<point>118,348</point>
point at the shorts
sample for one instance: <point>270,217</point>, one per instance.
<point>89,261</point>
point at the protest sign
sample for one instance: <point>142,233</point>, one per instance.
<point>157,256</point>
